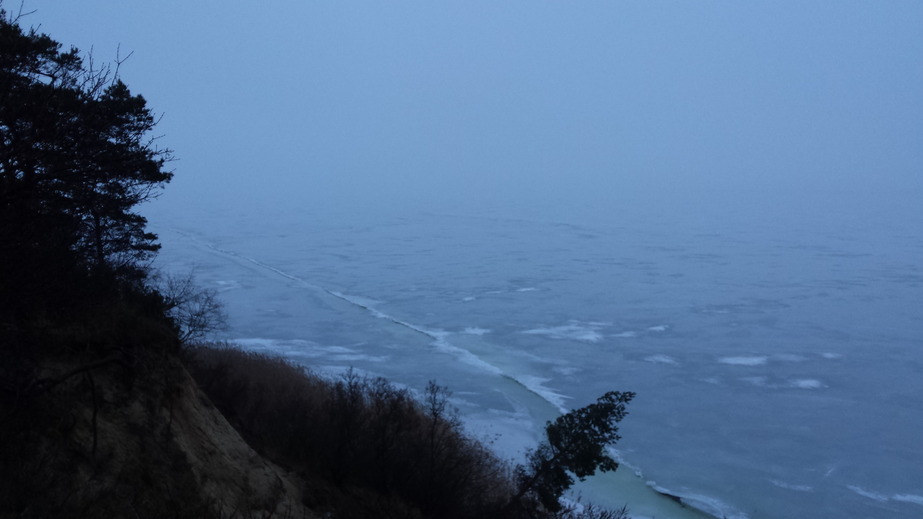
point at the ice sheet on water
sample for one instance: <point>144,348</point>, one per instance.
<point>805,356</point>
<point>806,383</point>
<point>661,359</point>
<point>227,284</point>
<point>756,360</point>
<point>876,496</point>
<point>908,498</point>
<point>791,486</point>
<point>882,497</point>
<point>366,303</point>
<point>573,330</point>
<point>537,386</point>
<point>756,381</point>
<point>799,383</point>
<point>442,343</point>
<point>707,504</point>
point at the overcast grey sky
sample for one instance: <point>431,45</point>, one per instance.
<point>485,100</point>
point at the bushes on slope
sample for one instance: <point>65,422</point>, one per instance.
<point>369,447</point>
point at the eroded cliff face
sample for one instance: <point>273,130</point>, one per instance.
<point>228,471</point>
<point>106,442</point>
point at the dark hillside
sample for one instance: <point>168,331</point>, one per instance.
<point>106,440</point>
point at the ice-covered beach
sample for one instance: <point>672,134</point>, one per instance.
<point>778,371</point>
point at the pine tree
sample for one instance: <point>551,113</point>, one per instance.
<point>77,156</point>
<point>576,444</point>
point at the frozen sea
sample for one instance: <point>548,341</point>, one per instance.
<point>776,354</point>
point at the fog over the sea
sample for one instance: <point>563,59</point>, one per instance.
<point>385,104</point>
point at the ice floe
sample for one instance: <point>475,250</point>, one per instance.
<point>661,359</point>
<point>574,330</point>
<point>806,383</point>
<point>881,498</point>
<point>790,486</point>
<point>884,498</point>
<point>756,360</point>
<point>908,498</point>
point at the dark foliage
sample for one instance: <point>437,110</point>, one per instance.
<point>370,448</point>
<point>76,157</point>
<point>576,445</point>
<point>197,312</point>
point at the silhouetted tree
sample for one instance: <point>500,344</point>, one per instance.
<point>76,157</point>
<point>576,443</point>
<point>196,311</point>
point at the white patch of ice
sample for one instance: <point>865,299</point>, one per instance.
<point>756,360</point>
<point>789,486</point>
<point>537,386</point>
<point>658,328</point>
<point>587,332</point>
<point>709,505</point>
<point>474,330</point>
<point>661,359</point>
<point>363,302</point>
<point>806,383</point>
<point>224,286</point>
<point>358,358</point>
<point>468,299</point>
<point>881,498</point>
<point>713,506</point>
<point>442,344</point>
<point>625,335</point>
<point>527,289</point>
<point>358,300</point>
<point>908,498</point>
<point>831,355</point>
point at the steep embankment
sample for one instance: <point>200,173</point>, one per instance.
<point>99,440</point>
<point>228,471</point>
